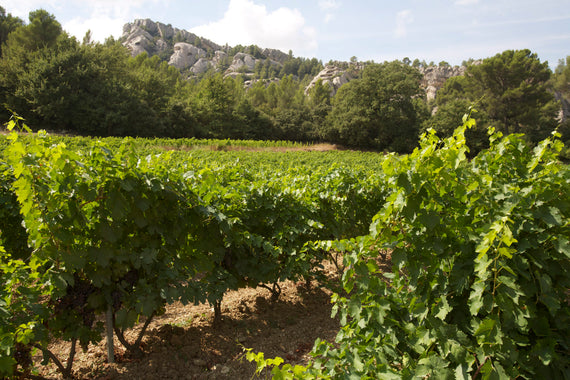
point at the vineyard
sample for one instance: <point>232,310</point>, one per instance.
<point>100,237</point>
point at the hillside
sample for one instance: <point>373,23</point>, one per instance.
<point>195,55</point>
<point>189,52</point>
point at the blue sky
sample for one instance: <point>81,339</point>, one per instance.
<point>438,30</point>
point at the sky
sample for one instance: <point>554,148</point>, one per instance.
<point>381,30</point>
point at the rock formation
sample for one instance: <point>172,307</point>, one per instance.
<point>335,76</point>
<point>435,76</point>
<point>219,57</point>
<point>185,55</point>
<point>155,38</point>
<point>189,52</point>
<point>193,54</point>
<point>240,60</point>
<point>201,66</point>
<point>564,111</point>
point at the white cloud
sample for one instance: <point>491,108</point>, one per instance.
<point>247,23</point>
<point>101,27</point>
<point>103,17</point>
<point>329,7</point>
<point>21,8</point>
<point>466,2</point>
<point>403,19</point>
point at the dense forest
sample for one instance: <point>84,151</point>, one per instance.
<point>61,84</point>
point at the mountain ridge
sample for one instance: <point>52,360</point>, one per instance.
<point>195,55</point>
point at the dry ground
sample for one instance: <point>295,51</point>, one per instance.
<point>183,344</point>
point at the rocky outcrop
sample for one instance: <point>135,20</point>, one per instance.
<point>242,62</point>
<point>189,52</point>
<point>335,76</point>
<point>219,57</point>
<point>156,37</point>
<point>564,111</point>
<point>435,76</point>
<point>193,54</point>
<point>185,55</point>
<point>275,55</point>
<point>201,66</point>
<point>139,41</point>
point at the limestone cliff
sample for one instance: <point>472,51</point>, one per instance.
<point>339,74</point>
<point>189,52</point>
<point>196,55</point>
<point>434,77</point>
<point>156,38</point>
<point>185,55</point>
<point>335,76</point>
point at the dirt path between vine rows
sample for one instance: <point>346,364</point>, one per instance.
<point>183,344</point>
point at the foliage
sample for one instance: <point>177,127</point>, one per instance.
<point>560,82</point>
<point>480,255</point>
<point>561,77</point>
<point>103,244</point>
<point>111,230</point>
<point>22,314</point>
<point>13,235</point>
<point>95,90</point>
<point>8,24</point>
<point>511,93</point>
<point>378,110</point>
<point>42,31</point>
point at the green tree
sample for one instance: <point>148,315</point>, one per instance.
<point>452,102</point>
<point>42,31</point>
<point>561,77</point>
<point>215,104</point>
<point>253,124</point>
<point>257,94</point>
<point>510,92</point>
<point>79,89</point>
<point>319,94</point>
<point>378,110</point>
<point>8,24</point>
<point>513,89</point>
<point>155,86</point>
<point>94,89</point>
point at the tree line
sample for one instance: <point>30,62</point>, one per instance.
<point>61,84</point>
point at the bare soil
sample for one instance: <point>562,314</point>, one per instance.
<point>184,344</point>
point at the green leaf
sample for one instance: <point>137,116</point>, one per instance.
<point>562,245</point>
<point>429,219</point>
<point>108,233</point>
<point>354,307</point>
<point>117,205</point>
<point>443,308</point>
<point>357,363</point>
<point>551,216</point>
<point>488,331</point>
<point>461,372</point>
<point>544,349</point>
